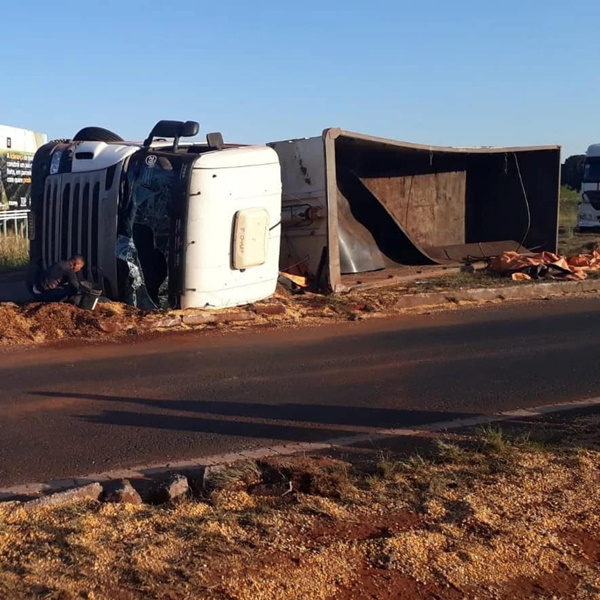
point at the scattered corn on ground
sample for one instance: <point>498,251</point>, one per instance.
<point>485,515</point>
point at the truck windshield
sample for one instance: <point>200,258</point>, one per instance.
<point>146,225</point>
<point>591,171</point>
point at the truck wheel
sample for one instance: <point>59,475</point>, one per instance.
<point>96,134</point>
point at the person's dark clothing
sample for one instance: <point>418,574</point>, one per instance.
<point>57,283</point>
<point>59,294</point>
<point>59,273</point>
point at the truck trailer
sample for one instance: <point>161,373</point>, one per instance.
<point>360,210</point>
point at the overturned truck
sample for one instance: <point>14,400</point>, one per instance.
<point>356,204</point>
<point>161,223</point>
<point>167,223</point>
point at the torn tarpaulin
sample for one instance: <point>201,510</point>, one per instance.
<point>545,265</point>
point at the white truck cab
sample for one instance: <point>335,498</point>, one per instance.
<point>588,211</point>
<point>161,224</point>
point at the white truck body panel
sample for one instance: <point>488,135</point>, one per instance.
<point>99,155</point>
<point>224,183</point>
<point>303,173</point>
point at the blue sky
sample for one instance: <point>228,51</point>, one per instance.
<point>460,72</point>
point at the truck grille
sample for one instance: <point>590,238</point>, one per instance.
<point>71,219</point>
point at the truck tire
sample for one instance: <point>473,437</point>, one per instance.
<point>96,134</point>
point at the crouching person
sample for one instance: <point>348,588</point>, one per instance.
<point>59,282</point>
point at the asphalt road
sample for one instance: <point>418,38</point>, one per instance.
<point>73,410</point>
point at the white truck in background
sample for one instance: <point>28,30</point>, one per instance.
<point>588,211</point>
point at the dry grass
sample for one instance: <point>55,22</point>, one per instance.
<point>569,199</point>
<point>448,524</point>
<point>14,252</point>
<point>578,243</point>
<point>462,280</point>
<point>570,242</point>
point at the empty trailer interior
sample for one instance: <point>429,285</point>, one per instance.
<point>379,204</point>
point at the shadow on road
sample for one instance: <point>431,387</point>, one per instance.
<point>289,422</point>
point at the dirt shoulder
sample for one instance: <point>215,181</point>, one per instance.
<point>34,323</point>
<point>507,512</point>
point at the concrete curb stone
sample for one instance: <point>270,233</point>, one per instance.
<point>92,491</point>
<point>274,308</point>
<point>202,318</point>
<point>176,486</point>
<point>122,492</point>
<point>522,291</point>
<point>167,323</point>
<point>517,292</point>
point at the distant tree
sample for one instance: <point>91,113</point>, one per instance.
<point>571,172</point>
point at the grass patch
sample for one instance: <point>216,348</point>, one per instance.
<point>239,474</point>
<point>14,252</point>
<point>493,440</point>
<point>570,241</point>
<point>496,440</point>
<point>387,465</point>
<point>578,243</point>
<point>569,199</point>
<point>448,452</point>
<point>462,280</point>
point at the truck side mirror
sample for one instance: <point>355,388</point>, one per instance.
<point>173,129</point>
